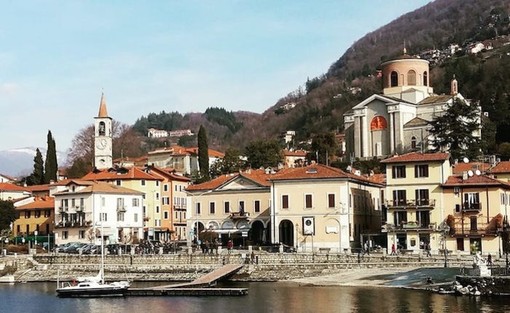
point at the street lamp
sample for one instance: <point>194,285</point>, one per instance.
<point>445,230</point>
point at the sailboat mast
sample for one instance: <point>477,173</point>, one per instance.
<point>101,270</point>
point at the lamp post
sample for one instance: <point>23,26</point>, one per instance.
<point>446,229</point>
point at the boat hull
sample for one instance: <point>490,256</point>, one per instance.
<point>93,292</point>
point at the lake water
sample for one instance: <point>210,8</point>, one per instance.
<point>262,297</point>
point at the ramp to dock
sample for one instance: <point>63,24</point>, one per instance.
<point>206,280</point>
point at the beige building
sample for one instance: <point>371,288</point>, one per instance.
<point>415,208</point>
<point>233,206</point>
<point>320,207</point>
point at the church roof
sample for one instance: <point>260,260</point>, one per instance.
<point>435,99</point>
<point>102,107</point>
<point>415,122</point>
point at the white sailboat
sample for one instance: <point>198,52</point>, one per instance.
<point>93,286</point>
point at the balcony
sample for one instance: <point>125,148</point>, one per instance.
<point>79,208</point>
<point>72,224</point>
<point>471,207</point>
<point>411,225</point>
<point>466,227</point>
<point>63,209</point>
<point>239,215</point>
<point>418,203</point>
<point>121,208</point>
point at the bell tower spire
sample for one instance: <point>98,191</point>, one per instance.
<point>103,137</point>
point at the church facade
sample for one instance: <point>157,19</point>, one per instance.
<point>398,120</point>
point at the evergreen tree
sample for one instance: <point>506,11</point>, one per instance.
<point>203,154</point>
<point>7,214</point>
<point>37,176</point>
<point>264,153</point>
<point>324,146</point>
<point>50,165</point>
<point>453,131</point>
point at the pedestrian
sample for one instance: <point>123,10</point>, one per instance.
<point>489,260</point>
<point>427,247</point>
<point>393,249</point>
<point>230,245</point>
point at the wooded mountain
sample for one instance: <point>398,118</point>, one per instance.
<point>483,77</point>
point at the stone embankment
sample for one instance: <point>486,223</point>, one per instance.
<point>260,266</point>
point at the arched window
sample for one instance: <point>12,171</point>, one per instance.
<point>425,79</point>
<point>413,143</point>
<point>102,129</point>
<point>394,79</point>
<point>411,78</point>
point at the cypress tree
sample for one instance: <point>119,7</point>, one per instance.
<point>50,165</point>
<point>203,154</point>
<point>37,176</point>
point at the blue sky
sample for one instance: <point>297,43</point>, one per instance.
<point>56,57</point>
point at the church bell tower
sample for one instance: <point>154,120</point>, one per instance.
<point>103,138</point>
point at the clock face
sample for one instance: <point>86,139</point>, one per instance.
<point>101,144</point>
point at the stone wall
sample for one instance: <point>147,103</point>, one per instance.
<point>186,267</point>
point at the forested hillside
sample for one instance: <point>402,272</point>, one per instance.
<point>318,108</point>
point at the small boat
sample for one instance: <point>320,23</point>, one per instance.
<point>86,287</point>
<point>92,287</point>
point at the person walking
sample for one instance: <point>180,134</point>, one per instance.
<point>427,248</point>
<point>393,249</point>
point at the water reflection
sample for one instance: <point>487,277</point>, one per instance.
<point>263,298</point>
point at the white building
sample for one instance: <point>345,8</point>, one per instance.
<point>85,209</point>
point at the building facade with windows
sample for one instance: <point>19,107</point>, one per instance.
<point>89,210</point>
<point>150,186</point>
<point>231,206</point>
<point>415,207</point>
<point>477,206</point>
<point>318,206</point>
<point>34,215</point>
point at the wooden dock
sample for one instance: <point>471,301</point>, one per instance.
<point>199,287</point>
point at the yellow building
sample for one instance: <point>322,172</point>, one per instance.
<point>173,201</point>
<point>476,206</point>
<point>37,215</point>
<point>415,206</point>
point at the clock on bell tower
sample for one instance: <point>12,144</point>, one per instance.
<point>103,158</point>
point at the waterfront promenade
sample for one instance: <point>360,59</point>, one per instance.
<point>259,266</point>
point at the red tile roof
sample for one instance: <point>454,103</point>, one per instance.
<point>257,176</point>
<point>417,157</point>
<point>39,203</point>
<point>12,187</point>
<point>101,187</point>
<point>501,167</point>
<point>316,171</point>
<point>459,168</point>
<point>475,180</point>
<point>132,173</point>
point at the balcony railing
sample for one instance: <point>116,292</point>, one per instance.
<point>471,207</point>
<point>239,215</point>
<point>402,203</point>
<point>70,224</point>
<point>121,208</point>
<point>408,225</point>
<point>466,227</point>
